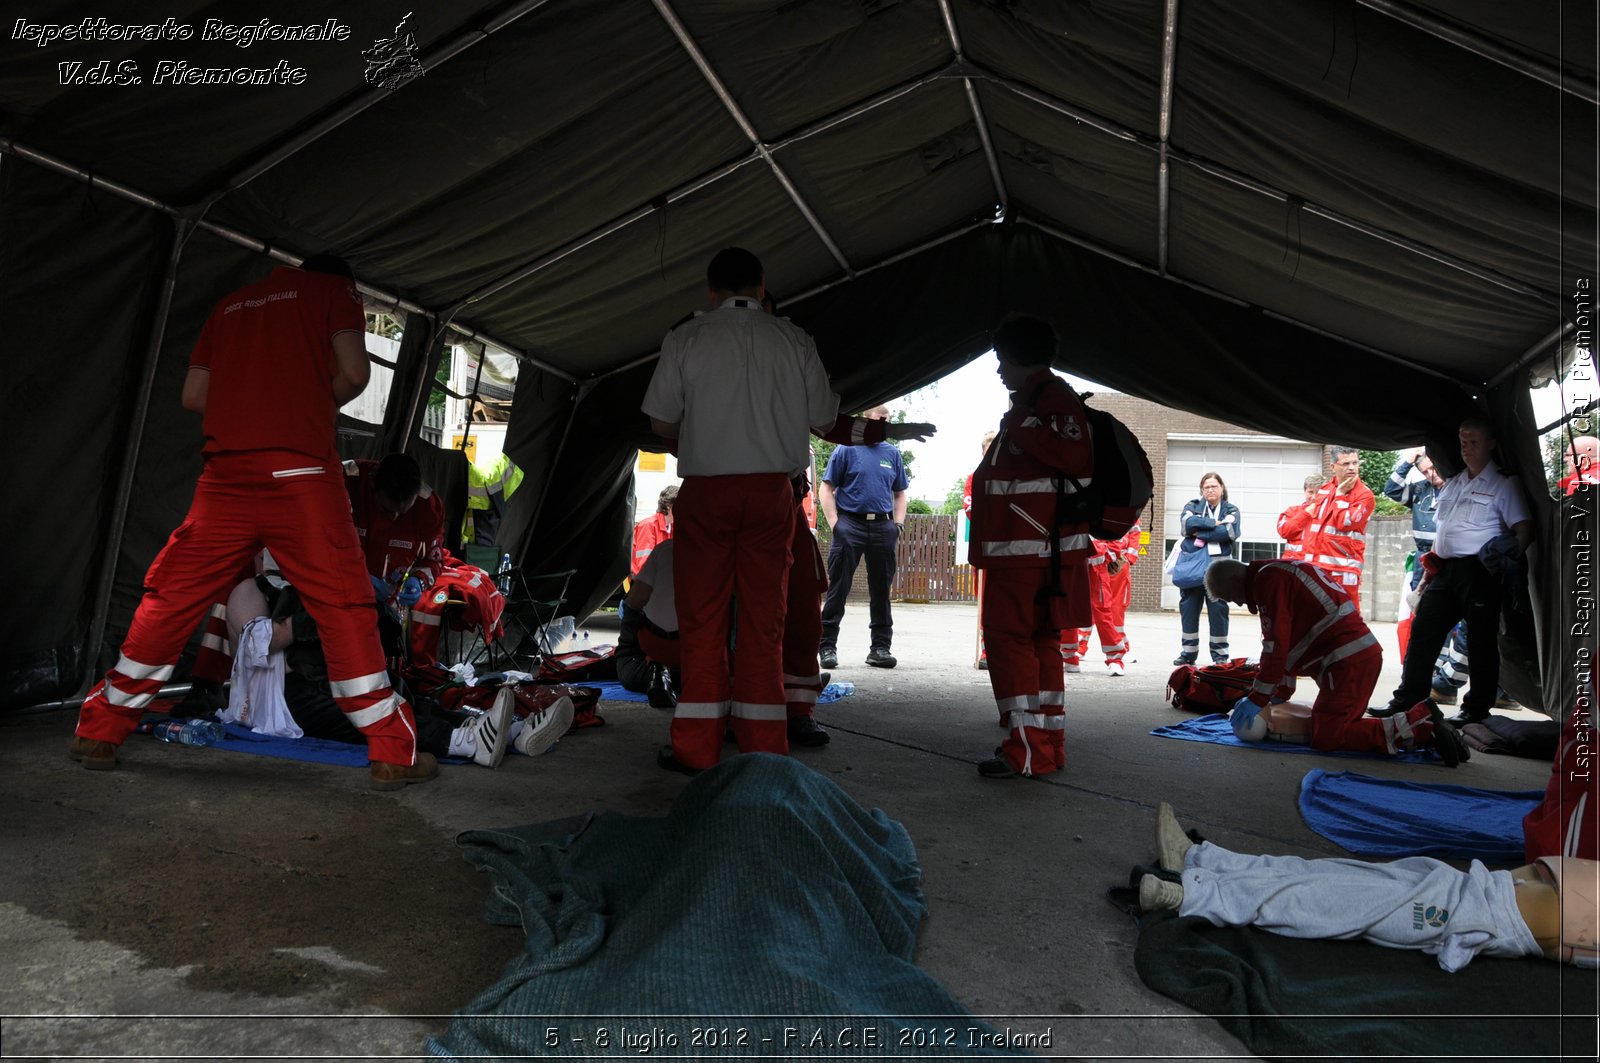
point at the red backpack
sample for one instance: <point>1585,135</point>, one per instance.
<point>1213,688</point>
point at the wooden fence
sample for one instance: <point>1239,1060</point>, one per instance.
<point>926,565</point>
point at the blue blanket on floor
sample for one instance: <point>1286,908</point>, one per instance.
<point>1218,731</point>
<point>1390,817</point>
<point>316,750</point>
<point>765,899</point>
<point>613,691</point>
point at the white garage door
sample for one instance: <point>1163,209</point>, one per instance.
<point>1263,473</point>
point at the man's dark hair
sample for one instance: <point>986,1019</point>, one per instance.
<point>668,495</point>
<point>331,264</point>
<point>1026,340</point>
<point>733,269</point>
<point>1481,423</point>
<point>398,477</point>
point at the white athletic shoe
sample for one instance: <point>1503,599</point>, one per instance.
<point>544,727</point>
<point>491,731</point>
<point>1068,666</point>
<point>1116,668</point>
<point>1156,895</point>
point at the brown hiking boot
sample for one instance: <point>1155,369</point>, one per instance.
<point>93,754</point>
<point>387,776</point>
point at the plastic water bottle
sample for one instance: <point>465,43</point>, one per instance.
<point>504,582</point>
<point>195,731</point>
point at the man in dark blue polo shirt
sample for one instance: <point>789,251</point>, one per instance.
<point>863,495</point>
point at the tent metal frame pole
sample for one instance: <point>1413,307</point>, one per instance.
<point>762,149</point>
<point>977,109</point>
<point>581,391</point>
<point>1214,293</point>
<point>1488,48</point>
<point>1225,173</point>
<point>593,236</point>
<point>183,228</point>
<point>809,292</point>
<point>1169,57</point>
<point>234,236</point>
<point>1559,333</point>
<point>697,184</point>
<point>435,57</point>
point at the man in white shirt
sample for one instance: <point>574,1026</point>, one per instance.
<point>741,391</point>
<point>1477,505</point>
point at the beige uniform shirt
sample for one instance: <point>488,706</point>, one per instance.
<point>745,388</point>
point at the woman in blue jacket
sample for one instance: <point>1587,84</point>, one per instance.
<point>1209,523</point>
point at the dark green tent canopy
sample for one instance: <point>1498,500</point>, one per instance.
<point>1327,218</point>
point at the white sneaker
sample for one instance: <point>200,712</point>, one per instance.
<point>491,731</point>
<point>1068,666</point>
<point>544,727</point>
<point>1116,668</point>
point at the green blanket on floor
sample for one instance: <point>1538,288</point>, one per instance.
<point>766,914</point>
<point>1286,997</point>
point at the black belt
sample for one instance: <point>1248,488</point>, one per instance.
<point>867,516</point>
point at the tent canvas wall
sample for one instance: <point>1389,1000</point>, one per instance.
<point>1352,218</point>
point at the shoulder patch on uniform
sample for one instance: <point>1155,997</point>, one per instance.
<point>440,597</point>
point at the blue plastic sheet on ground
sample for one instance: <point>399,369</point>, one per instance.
<point>1218,731</point>
<point>1391,817</point>
<point>315,750</point>
<point>613,691</point>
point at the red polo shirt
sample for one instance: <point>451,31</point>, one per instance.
<point>269,347</point>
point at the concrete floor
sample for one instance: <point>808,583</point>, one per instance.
<point>207,904</point>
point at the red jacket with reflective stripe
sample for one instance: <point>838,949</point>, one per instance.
<point>1045,433</point>
<point>1336,538</point>
<point>647,535</point>
<point>1307,622</point>
<point>1292,525</point>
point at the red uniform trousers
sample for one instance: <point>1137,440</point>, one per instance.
<point>239,507</point>
<point>1339,717</point>
<point>802,621</point>
<point>1108,605</point>
<point>732,535</point>
<point>1023,638</point>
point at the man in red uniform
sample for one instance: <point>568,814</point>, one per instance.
<point>1035,579</point>
<point>400,523</point>
<point>271,479</point>
<point>654,529</point>
<point>1310,627</point>
<point>1336,539</point>
<point>1110,587</point>
<point>739,389</point>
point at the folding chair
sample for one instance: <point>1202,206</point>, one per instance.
<point>522,603</point>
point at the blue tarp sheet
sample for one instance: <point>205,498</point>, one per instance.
<point>766,900</point>
<point>1216,730</point>
<point>1390,817</point>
